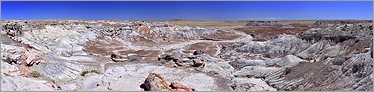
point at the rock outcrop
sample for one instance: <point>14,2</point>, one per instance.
<point>107,55</point>
<point>156,82</point>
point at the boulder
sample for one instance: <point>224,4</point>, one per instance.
<point>156,82</point>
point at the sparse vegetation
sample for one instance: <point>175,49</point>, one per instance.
<point>84,72</point>
<point>35,74</point>
<point>235,58</point>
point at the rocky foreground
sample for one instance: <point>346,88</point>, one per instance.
<point>71,55</point>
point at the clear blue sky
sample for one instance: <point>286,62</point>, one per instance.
<point>192,10</point>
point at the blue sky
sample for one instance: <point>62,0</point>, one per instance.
<point>192,10</point>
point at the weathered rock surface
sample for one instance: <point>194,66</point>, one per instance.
<point>331,75</point>
<point>279,46</point>
<point>240,63</point>
<point>255,71</point>
<point>130,77</point>
<point>74,55</point>
<point>24,84</point>
<point>91,82</point>
<point>287,61</point>
<point>9,70</point>
<point>251,84</point>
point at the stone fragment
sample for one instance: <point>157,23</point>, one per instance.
<point>179,87</point>
<point>198,52</point>
<point>118,58</point>
<point>198,62</point>
<point>156,82</point>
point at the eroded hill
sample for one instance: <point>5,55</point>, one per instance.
<point>168,56</point>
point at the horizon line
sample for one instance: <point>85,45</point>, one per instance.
<point>198,19</point>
